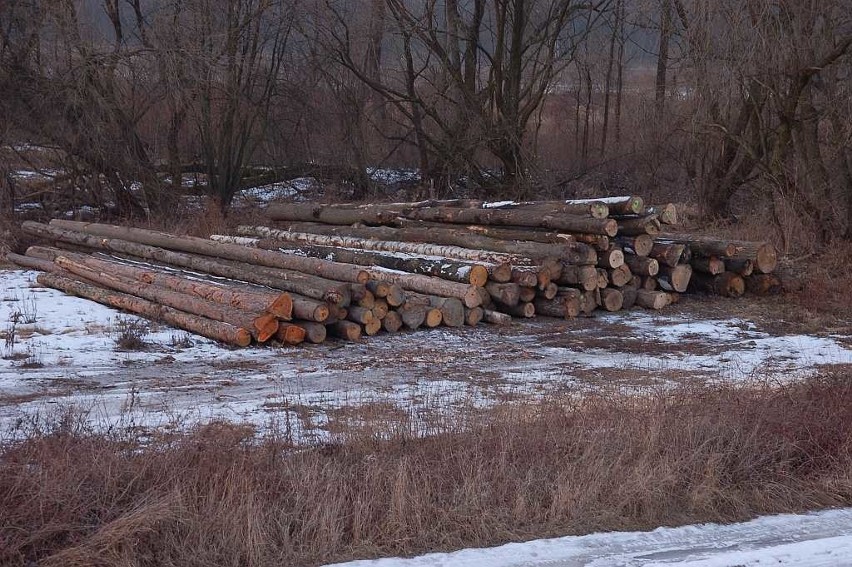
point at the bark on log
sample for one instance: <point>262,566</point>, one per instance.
<point>360,315</point>
<point>506,294</point>
<point>194,245</point>
<point>472,317</point>
<point>205,327</point>
<point>255,301</point>
<point>649,283</point>
<point>676,278</point>
<point>603,278</point>
<point>373,327</point>
<point>667,213</point>
<point>452,310</point>
<point>620,276</point>
<point>726,284</point>
<point>741,267</point>
<point>310,309</point>
<point>611,299</point>
<point>315,333</point>
<point>526,294</point>
<point>427,241</point>
<point>287,280</point>
<point>496,318</point>
<point>599,242</point>
<point>763,255</point>
<point>261,327</point>
<point>639,245</point>
<point>612,258</point>
<point>525,277</point>
<point>508,233</point>
<point>668,254</point>
<point>525,310</point>
<point>362,296</point>
<point>346,330</point>
<point>622,205</point>
<point>550,291</point>
<point>764,284</point>
<point>642,266</point>
<point>342,215</point>
<point>565,307</point>
<point>629,294</point>
<point>593,209</point>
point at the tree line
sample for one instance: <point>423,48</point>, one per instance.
<point>718,101</point>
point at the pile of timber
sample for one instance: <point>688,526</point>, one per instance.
<point>352,270</point>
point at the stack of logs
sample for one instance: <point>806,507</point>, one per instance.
<point>348,270</point>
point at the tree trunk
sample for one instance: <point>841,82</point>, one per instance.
<point>515,217</point>
<point>642,266</point>
<point>668,254</point>
<point>315,333</point>
<point>585,277</point>
<point>194,245</point>
<point>623,205</point>
<point>469,294</point>
<point>496,318</point>
<point>611,299</point>
<point>215,330</point>
<point>290,334</point>
<point>639,245</point>
<point>641,225</point>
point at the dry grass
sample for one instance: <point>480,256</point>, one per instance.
<point>223,495</point>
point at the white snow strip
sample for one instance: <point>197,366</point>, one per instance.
<point>806,540</point>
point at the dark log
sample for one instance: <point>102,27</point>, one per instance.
<point>515,217</point>
<point>640,225</point>
<point>472,317</point>
<point>506,294</point>
<point>612,258</point>
<point>668,254</point>
<point>726,284</point>
<point>639,245</point>
<point>708,265</point>
<point>290,334</point>
<point>496,318</point>
<point>642,265</point>
<point>611,299</point>
<point>622,205</point>
<point>345,330</point>
<point>315,333</point>
<point>764,284</point>
<point>392,322</point>
<point>652,299</point>
<point>585,277</point>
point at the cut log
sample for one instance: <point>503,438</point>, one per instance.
<point>640,225</point>
<point>335,214</point>
<point>452,310</point>
<point>506,294</point>
<point>434,317</point>
<point>649,283</point>
<point>345,330</point>
<point>261,326</point>
<point>469,294</point>
<point>500,273</point>
<point>611,299</point>
<point>620,276</point>
<point>708,265</point>
<point>526,294</point>
<point>668,254</point>
<point>726,284</point>
<point>603,278</point>
<point>612,258</point>
<point>550,291</point>
<point>361,315</point>
<point>652,299</point>
<point>741,267</point>
<point>564,307</point>
<point>589,302</point>
<point>593,209</point>
<point>215,330</point>
<point>373,327</point>
<point>426,241</point>
<point>377,287</point>
<point>362,296</point>
<point>309,309</point>
<point>381,309</point>
<point>675,279</point>
<point>527,277</point>
<point>194,245</point>
<point>395,296</point>
<point>509,233</point>
<point>496,318</point>
<point>642,265</point>
<point>667,213</point>
<point>599,242</point>
<point>472,317</point>
<point>290,334</point>
<point>315,333</point>
<point>622,205</point>
<point>764,284</point>
<point>287,280</point>
<point>412,315</point>
<point>763,255</point>
<point>629,295</point>
<point>256,301</point>
<point>392,322</point>
<point>639,245</point>
<point>585,277</point>
<point>515,217</point>
<point>524,310</point>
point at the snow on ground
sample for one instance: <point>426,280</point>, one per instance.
<point>64,353</point>
<point>806,540</point>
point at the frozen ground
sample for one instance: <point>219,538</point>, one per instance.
<point>62,352</point>
<point>819,539</point>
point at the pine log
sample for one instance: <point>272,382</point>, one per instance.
<point>726,284</point>
<point>620,276</point>
<point>261,326</point>
<point>639,245</point>
<point>452,310</point>
<point>215,330</point>
<point>640,225</point>
<point>612,258</point>
<point>700,245</point>
<point>515,217</point>
<point>642,265</point>
<point>426,241</point>
<point>506,294</point>
<point>763,255</point>
<point>290,334</point>
<point>315,333</point>
<point>345,330</point>
<point>434,317</point>
<point>286,280</point>
<point>708,265</point>
<point>257,301</point>
<point>676,278</point>
<point>652,299</point>
<point>668,254</point>
<point>310,309</point>
<point>472,317</point>
<point>585,277</point>
<point>194,245</point>
<point>764,284</point>
<point>611,299</point>
<point>622,205</point>
<point>469,294</point>
<point>496,318</point>
<point>392,322</point>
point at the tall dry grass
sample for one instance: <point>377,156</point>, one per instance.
<point>223,495</point>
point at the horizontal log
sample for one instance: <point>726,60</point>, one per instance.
<point>346,330</point>
<point>641,225</point>
<point>642,265</point>
<point>611,299</point>
<point>652,299</point>
<point>593,209</point>
<point>315,333</point>
<point>612,258</point>
<point>726,284</point>
<point>675,278</point>
<point>670,254</point>
<point>392,322</point>
<point>496,318</point>
<point>623,205</point>
<point>764,284</point>
<point>639,245</point>
<point>708,265</point>
<point>515,217</point>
